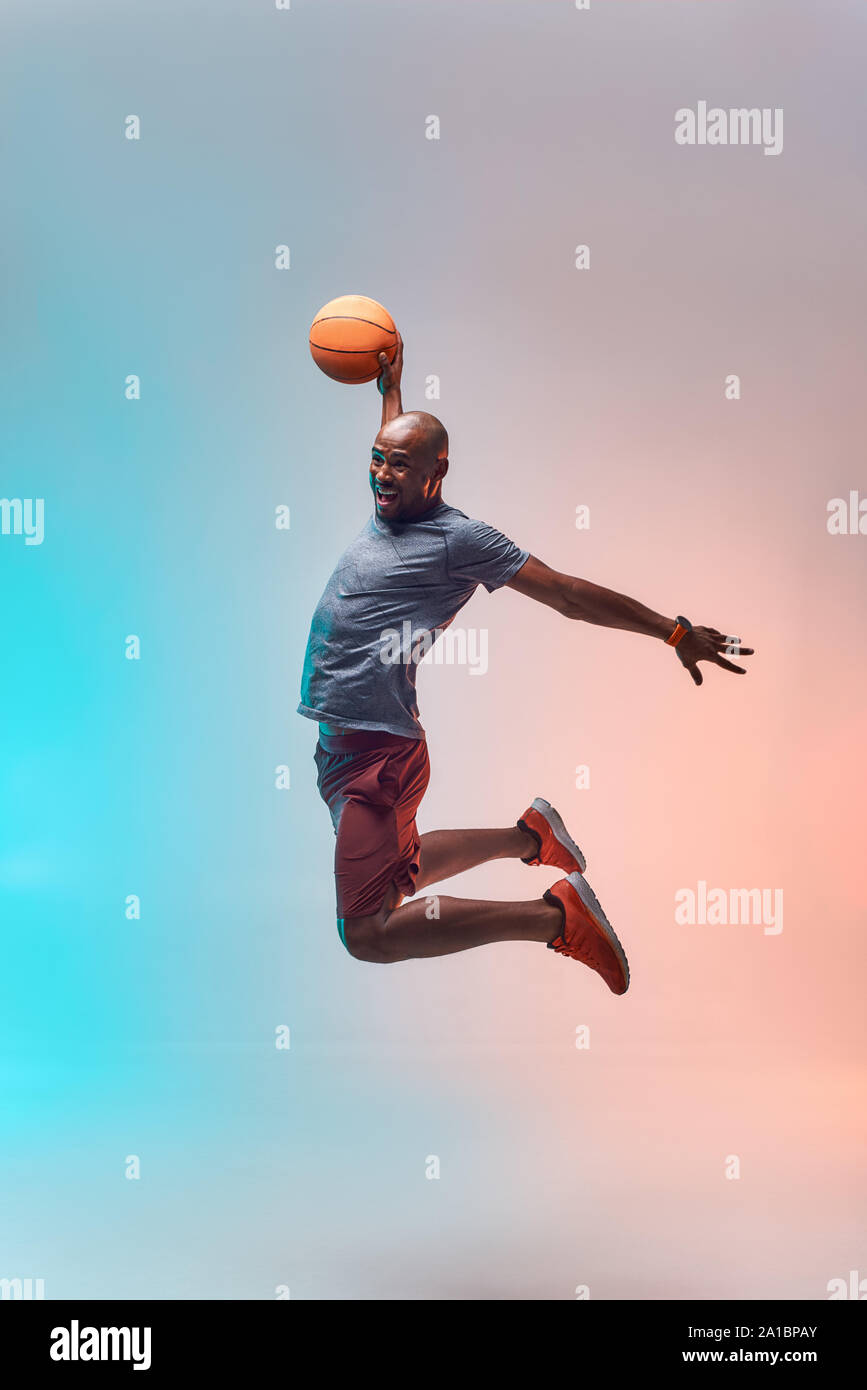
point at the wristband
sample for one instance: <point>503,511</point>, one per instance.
<point>683,626</point>
<point>379,384</point>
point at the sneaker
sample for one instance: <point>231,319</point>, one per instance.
<point>586,934</point>
<point>555,844</point>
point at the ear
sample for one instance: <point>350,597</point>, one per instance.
<point>442,467</point>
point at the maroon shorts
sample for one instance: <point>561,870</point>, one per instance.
<point>372,783</point>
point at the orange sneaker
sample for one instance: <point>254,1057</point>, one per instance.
<point>556,845</point>
<point>586,934</point>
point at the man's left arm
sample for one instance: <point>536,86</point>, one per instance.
<point>590,603</point>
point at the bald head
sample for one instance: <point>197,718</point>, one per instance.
<point>425,431</point>
<point>409,460</point>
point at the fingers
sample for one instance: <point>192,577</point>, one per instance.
<point>391,369</point>
<point>691,667</point>
<point>732,643</point>
<point>384,379</point>
<point>711,644</point>
<point>732,647</point>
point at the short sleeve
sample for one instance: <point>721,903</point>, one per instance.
<point>478,554</point>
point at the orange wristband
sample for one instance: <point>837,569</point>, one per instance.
<point>679,631</point>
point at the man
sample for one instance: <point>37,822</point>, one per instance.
<point>411,570</point>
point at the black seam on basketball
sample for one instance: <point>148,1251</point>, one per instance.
<point>351,352</point>
<point>355,318</point>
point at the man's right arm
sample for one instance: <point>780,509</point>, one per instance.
<point>389,383</point>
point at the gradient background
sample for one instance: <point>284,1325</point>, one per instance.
<point>306,1167</point>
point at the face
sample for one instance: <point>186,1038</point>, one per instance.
<point>405,480</point>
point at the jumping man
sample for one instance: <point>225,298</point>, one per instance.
<point>412,568</point>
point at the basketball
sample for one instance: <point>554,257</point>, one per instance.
<point>346,336</point>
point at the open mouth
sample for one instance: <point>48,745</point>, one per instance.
<point>385,496</point>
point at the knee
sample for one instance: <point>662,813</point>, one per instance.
<point>365,938</point>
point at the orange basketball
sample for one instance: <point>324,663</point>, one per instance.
<point>347,334</point>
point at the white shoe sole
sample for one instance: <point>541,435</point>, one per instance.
<point>558,830</point>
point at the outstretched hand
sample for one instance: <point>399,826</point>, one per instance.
<point>706,644</point>
<point>389,377</point>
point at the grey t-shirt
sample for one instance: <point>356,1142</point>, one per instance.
<point>395,588</point>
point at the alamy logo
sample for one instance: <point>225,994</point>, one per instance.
<point>855,1288</point>
<point>847,519</point>
<point>75,1343</point>
<point>23,516</point>
<point>738,126</point>
<point>22,1288</point>
<point>439,646</point>
<point>720,906</point>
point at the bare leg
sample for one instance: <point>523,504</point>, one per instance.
<point>445,853</point>
<point>436,926</point>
